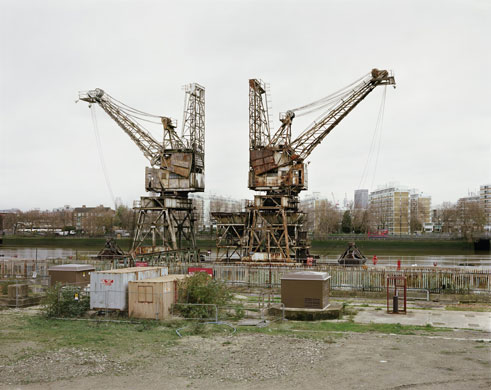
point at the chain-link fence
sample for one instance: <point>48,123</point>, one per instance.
<point>151,301</point>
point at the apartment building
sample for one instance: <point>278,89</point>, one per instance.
<point>93,220</point>
<point>420,211</point>
<point>361,199</point>
<point>485,201</point>
<point>390,209</point>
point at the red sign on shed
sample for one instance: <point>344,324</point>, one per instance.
<point>192,270</point>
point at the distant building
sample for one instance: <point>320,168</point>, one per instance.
<point>93,220</point>
<point>205,204</point>
<point>225,204</point>
<point>469,214</point>
<point>201,217</point>
<point>420,212</point>
<point>390,209</point>
<point>361,199</point>
<point>309,205</point>
<point>485,201</point>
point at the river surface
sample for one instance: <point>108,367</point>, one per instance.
<point>72,255</point>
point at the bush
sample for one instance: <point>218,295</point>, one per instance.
<point>60,301</point>
<point>201,289</point>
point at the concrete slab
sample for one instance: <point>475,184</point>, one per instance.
<point>438,318</point>
<point>332,312</point>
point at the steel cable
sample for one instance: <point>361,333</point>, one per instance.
<point>374,144</point>
<point>101,156</point>
<point>332,96</point>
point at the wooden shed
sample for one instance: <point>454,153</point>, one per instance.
<point>305,289</point>
<point>153,298</point>
<point>74,274</point>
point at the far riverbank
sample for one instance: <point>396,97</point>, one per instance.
<point>328,247</point>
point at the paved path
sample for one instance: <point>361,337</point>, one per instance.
<point>439,318</point>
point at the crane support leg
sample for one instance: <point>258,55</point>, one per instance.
<point>167,220</point>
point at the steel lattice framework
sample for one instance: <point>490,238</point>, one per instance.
<point>273,229</point>
<point>177,168</point>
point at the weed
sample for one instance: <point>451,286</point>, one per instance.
<point>478,308</point>
<point>65,301</point>
<point>198,294</point>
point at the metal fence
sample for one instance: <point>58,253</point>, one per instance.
<point>435,280</point>
<point>371,278</point>
<point>146,302</point>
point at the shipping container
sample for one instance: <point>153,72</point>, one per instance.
<point>153,298</point>
<point>109,289</point>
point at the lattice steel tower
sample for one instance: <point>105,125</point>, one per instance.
<point>177,168</point>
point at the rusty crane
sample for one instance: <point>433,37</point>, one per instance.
<point>271,229</point>
<point>177,168</point>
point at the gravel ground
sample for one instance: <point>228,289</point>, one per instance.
<point>452,360</point>
<point>254,357</point>
<point>52,366</point>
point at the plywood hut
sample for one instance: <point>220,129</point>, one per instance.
<point>153,298</point>
<point>305,289</point>
<point>73,274</point>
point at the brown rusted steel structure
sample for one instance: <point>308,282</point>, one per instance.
<point>273,229</point>
<point>110,251</point>
<point>352,256</point>
<point>177,168</point>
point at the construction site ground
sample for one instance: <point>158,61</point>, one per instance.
<point>434,346</point>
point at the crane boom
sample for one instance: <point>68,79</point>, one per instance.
<point>150,147</point>
<point>277,162</point>
<point>305,143</point>
<point>177,163</point>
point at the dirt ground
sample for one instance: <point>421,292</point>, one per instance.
<point>447,360</point>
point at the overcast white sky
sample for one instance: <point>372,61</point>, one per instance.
<point>437,123</point>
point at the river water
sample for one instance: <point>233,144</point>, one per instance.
<point>429,260</point>
<point>46,253</point>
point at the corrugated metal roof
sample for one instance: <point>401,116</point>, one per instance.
<point>166,278</point>
<point>127,270</point>
<point>72,267</point>
<point>306,275</point>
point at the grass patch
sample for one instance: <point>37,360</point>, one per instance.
<point>395,247</point>
<point>294,327</point>
<point>84,242</point>
<point>28,334</point>
<point>464,307</point>
<point>253,299</point>
<point>118,338</point>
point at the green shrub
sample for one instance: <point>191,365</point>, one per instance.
<point>61,301</point>
<point>201,289</point>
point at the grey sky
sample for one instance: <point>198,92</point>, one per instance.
<point>436,133</point>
